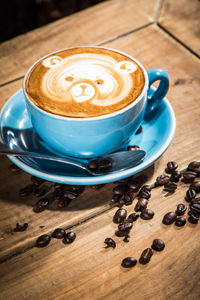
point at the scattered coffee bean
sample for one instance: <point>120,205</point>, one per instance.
<point>41,205</point>
<point>93,165</point>
<point>69,237</point>
<point>133,217</point>
<point>139,130</point>
<point>175,176</point>
<point>147,214</point>
<point>170,187</point>
<point>133,185</point>
<point>19,227</point>
<point>119,233</point>
<point>169,218</point>
<point>41,191</point>
<point>189,176</point>
<point>158,245</point>
<point>141,204</point>
<point>197,170</point>
<point>195,207</point>
<point>196,185</point>
<point>105,164</point>
<point>193,165</point>
<point>125,227</point>
<point>162,180</point>
<point>120,216</point>
<point>133,147</point>
<point>126,238</point>
<point>110,243</point>
<point>181,208</point>
<point>129,262</point>
<point>14,168</point>
<point>116,198</point>
<point>58,233</point>
<point>26,191</point>
<point>43,241</point>
<point>127,199</point>
<point>120,203</point>
<point>190,194</point>
<point>196,200</point>
<point>144,194</point>
<point>146,256</point>
<point>180,222</point>
<point>171,166</point>
<point>193,217</point>
<point>37,181</point>
<point>146,187</point>
<point>119,190</point>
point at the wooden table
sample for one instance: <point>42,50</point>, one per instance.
<point>159,34</point>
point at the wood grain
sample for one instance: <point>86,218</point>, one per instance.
<point>159,51</point>
<point>182,19</point>
<point>86,270</point>
<point>89,27</point>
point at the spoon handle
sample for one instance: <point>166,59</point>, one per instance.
<point>69,161</point>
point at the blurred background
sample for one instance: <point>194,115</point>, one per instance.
<point>20,16</point>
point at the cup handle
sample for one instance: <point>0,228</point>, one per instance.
<point>153,99</point>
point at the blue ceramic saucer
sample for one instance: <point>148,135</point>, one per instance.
<point>17,133</point>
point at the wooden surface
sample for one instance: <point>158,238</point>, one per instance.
<point>85,269</point>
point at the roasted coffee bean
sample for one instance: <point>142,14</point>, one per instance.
<point>127,199</point>
<point>41,191</point>
<point>169,218</point>
<point>196,200</point>
<point>116,198</point>
<point>193,165</point>
<point>41,204</point>
<point>129,262</point>
<point>125,227</point>
<point>133,185</point>
<point>43,241</point>
<point>133,148</point>
<point>120,203</point>
<point>162,180</point>
<point>26,191</point>
<point>139,130</point>
<point>119,190</point>
<point>195,207</point>
<point>146,256</point>
<point>20,227</point>
<point>105,164</point>
<point>170,187</point>
<point>146,187</point>
<point>190,194</point>
<point>58,233</point>
<point>133,217</point>
<point>120,216</point>
<point>37,181</point>
<point>197,170</point>
<point>144,194</point>
<point>126,238</point>
<point>70,195</point>
<point>181,208</point>
<point>119,233</point>
<point>180,222</point>
<point>196,185</point>
<point>110,243</point>
<point>158,245</point>
<point>193,217</point>
<point>93,165</point>
<point>175,176</point>
<point>189,176</point>
<point>14,168</point>
<point>171,166</point>
<point>147,214</point>
<point>69,237</point>
<point>141,204</point>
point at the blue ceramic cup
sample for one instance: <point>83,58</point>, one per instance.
<point>95,136</point>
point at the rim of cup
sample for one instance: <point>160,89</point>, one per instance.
<point>118,112</point>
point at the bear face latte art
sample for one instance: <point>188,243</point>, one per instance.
<point>84,82</point>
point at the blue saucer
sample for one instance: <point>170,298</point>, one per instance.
<point>17,133</point>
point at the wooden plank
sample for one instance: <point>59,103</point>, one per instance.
<point>95,25</point>
<point>182,20</point>
<point>86,270</point>
<point>159,50</point>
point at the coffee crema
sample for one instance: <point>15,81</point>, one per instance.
<point>84,82</point>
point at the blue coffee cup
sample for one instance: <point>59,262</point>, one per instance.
<point>96,136</point>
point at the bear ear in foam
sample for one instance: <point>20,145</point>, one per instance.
<point>52,61</point>
<point>125,67</point>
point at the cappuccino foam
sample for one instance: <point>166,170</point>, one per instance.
<point>84,82</point>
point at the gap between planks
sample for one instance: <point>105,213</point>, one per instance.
<point>101,211</point>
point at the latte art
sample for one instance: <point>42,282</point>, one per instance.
<point>85,82</point>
